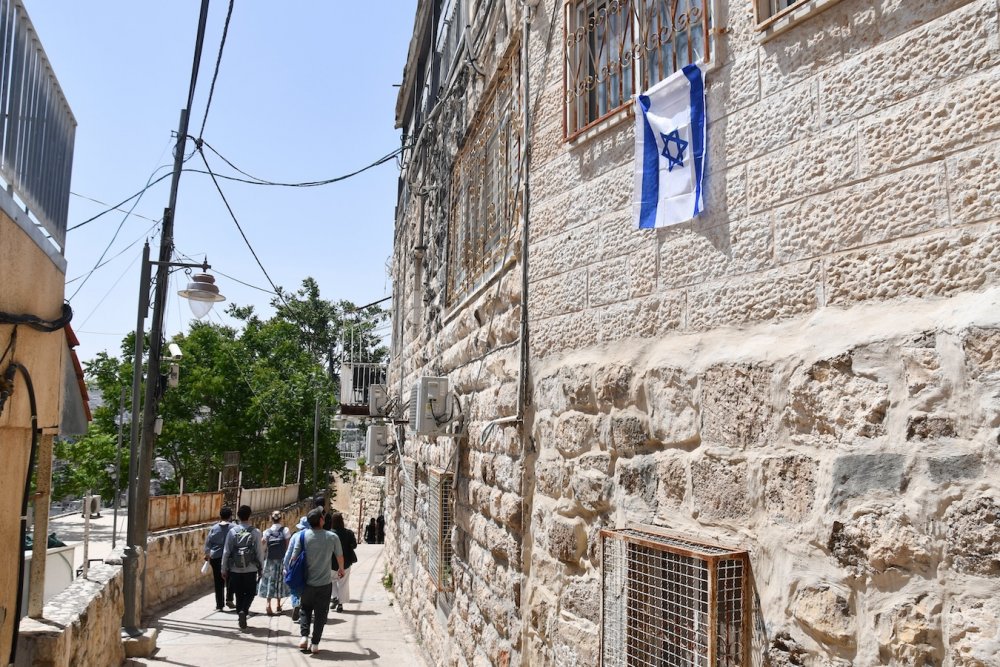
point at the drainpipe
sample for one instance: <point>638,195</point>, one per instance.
<point>522,379</point>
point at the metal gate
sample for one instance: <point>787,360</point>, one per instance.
<point>230,486</point>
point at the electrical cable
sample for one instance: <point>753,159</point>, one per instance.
<point>121,203</point>
<point>242,233</point>
<point>119,254</point>
<point>39,324</point>
<point>254,180</point>
<point>110,289</point>
<point>218,63</point>
<point>112,208</point>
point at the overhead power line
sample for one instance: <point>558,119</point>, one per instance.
<point>110,208</point>
<point>255,180</point>
<point>218,63</point>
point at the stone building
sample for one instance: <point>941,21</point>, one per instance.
<point>783,414</point>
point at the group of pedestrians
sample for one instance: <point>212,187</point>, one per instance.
<point>246,562</point>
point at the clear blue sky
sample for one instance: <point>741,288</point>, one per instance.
<point>305,92</point>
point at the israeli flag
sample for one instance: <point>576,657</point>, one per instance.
<point>670,150</point>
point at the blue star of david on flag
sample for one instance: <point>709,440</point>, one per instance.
<point>673,161</point>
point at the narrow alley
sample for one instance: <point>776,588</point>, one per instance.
<point>368,632</point>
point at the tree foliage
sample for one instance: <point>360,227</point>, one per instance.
<point>253,389</point>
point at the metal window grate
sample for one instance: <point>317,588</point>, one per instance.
<point>615,48</point>
<point>772,9</point>
<point>672,602</point>
<point>440,520</point>
<point>485,200</point>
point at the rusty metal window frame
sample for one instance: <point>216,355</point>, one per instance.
<point>485,191</point>
<point>667,600</point>
<point>440,520</point>
<point>615,48</point>
<point>773,17</point>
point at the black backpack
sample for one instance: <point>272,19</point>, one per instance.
<point>245,548</point>
<point>276,545</point>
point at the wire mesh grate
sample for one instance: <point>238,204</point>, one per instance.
<point>440,520</point>
<point>672,602</point>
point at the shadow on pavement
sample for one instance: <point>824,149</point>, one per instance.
<point>330,656</point>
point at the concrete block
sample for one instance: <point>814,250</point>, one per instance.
<point>932,125</point>
<point>912,63</point>
<point>721,489</point>
<point>856,475</point>
<point>974,180</point>
<point>882,209</point>
<point>141,646</point>
<point>933,266</point>
<point>736,409</point>
<point>816,163</point>
<point>772,295</point>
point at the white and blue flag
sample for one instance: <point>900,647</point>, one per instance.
<point>670,152</point>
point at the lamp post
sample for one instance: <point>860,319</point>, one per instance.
<point>141,451</point>
<point>202,294</point>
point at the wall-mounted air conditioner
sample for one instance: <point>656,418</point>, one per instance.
<point>429,409</point>
<point>376,444</point>
<point>378,400</point>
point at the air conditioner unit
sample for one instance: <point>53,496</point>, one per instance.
<point>376,444</point>
<point>378,399</point>
<point>429,410</point>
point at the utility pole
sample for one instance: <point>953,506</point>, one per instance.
<point>316,447</point>
<point>141,455</point>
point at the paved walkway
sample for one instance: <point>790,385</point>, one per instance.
<point>368,632</point>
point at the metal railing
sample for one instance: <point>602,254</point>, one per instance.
<point>185,509</point>
<point>270,498</point>
<point>355,378</point>
<point>352,443</point>
<point>37,126</point>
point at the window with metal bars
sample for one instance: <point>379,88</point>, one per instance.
<point>668,601</point>
<point>485,200</point>
<point>616,48</point>
<point>439,519</point>
<point>771,13</point>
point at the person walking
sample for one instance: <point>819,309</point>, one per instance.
<point>321,548</point>
<point>371,532</point>
<point>272,580</point>
<point>348,542</point>
<point>380,537</point>
<point>215,543</point>
<point>296,599</point>
<point>242,562</point>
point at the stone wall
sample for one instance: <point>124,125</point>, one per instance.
<point>806,371</point>
<point>175,558</point>
<point>367,502</point>
<point>80,627</point>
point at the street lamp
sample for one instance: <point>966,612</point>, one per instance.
<point>202,294</point>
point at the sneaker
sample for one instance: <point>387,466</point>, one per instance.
<point>243,620</point>
<point>340,608</point>
<point>231,604</point>
<point>314,648</point>
<point>304,644</point>
<point>295,615</point>
<point>218,609</point>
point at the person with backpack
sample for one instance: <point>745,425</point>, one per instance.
<point>272,581</point>
<point>215,543</point>
<point>348,542</point>
<point>242,562</point>
<point>321,548</point>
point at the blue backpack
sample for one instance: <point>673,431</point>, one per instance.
<point>295,575</point>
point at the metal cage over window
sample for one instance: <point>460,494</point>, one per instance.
<point>485,199</point>
<point>440,520</point>
<point>615,49</point>
<point>671,602</point>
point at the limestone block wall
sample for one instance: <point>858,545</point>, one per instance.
<point>806,371</point>
<point>80,627</point>
<point>367,494</point>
